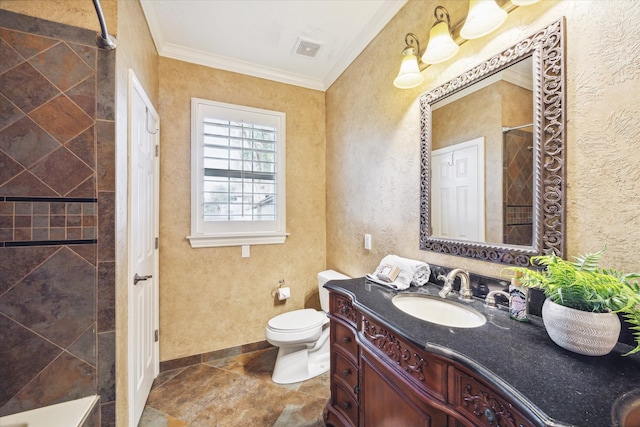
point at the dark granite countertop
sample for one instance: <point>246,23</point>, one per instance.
<point>560,387</point>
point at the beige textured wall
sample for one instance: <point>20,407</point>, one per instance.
<point>212,298</point>
<point>137,52</point>
<point>79,13</point>
<point>517,105</point>
<point>373,142</point>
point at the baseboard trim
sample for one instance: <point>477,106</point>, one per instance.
<point>183,362</point>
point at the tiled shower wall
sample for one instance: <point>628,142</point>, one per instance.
<point>57,268</point>
<point>518,187</point>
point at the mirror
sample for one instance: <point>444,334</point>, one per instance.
<point>492,156</point>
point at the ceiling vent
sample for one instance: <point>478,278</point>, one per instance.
<point>306,47</point>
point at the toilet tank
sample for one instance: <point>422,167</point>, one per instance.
<point>324,277</point>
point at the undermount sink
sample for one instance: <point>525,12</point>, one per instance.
<point>440,311</point>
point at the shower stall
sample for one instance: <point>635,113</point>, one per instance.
<point>518,185</point>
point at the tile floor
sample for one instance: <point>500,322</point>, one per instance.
<point>234,391</point>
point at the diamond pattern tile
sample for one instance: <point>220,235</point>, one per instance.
<point>16,263</point>
<point>52,385</point>
<point>88,54</point>
<point>62,118</point>
<point>519,166</point>
<point>84,95</point>
<point>50,304</point>
<point>9,113</point>
<point>8,168</point>
<point>25,184</point>
<point>27,45</point>
<point>49,95</point>
<point>62,171</point>
<point>26,87</point>
<point>85,347</point>
<point>18,367</point>
<point>88,252</point>
<point>86,189</point>
<point>26,142</point>
<point>10,58</point>
<point>62,66</point>
<point>83,146</point>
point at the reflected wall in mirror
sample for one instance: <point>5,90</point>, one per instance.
<point>492,156</point>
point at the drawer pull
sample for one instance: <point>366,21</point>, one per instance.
<point>490,415</point>
<point>346,405</point>
<point>346,340</point>
<point>344,309</point>
<point>346,372</point>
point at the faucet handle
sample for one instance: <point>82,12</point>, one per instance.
<point>445,290</point>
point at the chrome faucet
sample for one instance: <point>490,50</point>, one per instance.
<point>466,293</point>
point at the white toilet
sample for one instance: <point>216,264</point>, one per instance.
<point>303,338</point>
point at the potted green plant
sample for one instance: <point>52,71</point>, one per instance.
<point>587,299</point>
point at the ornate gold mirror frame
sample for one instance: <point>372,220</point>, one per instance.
<point>546,47</point>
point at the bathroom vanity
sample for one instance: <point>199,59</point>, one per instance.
<point>390,368</point>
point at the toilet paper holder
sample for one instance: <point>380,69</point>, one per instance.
<point>280,291</point>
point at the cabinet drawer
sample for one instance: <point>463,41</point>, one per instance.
<point>345,404</point>
<point>481,404</point>
<point>426,371</point>
<point>341,307</point>
<point>345,372</point>
<point>345,340</point>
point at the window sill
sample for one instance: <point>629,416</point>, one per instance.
<point>236,240</point>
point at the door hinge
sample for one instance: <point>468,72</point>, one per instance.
<point>156,243</point>
<point>155,336</point>
<point>157,150</point>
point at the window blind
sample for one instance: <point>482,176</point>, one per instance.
<point>240,171</point>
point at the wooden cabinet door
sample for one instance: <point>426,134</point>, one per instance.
<point>385,401</point>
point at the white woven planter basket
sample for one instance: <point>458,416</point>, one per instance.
<point>591,334</point>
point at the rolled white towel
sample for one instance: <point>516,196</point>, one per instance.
<point>412,272</point>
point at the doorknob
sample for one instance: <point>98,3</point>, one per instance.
<point>137,278</point>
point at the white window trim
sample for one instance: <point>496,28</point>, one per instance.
<point>200,237</point>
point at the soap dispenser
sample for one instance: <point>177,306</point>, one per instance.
<point>518,301</point>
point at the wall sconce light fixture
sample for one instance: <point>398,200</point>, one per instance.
<point>441,46</point>
<point>484,17</point>
<point>409,75</point>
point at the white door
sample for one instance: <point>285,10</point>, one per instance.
<point>143,347</point>
<point>457,191</point>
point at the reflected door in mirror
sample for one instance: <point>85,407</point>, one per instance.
<point>457,197</point>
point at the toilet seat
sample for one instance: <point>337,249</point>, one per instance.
<point>297,321</point>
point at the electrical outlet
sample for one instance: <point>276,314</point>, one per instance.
<point>367,242</point>
<point>246,251</point>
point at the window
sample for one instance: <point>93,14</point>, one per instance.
<point>237,174</point>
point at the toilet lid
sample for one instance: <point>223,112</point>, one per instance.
<point>297,320</point>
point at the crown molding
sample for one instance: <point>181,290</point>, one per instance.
<point>386,12</point>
